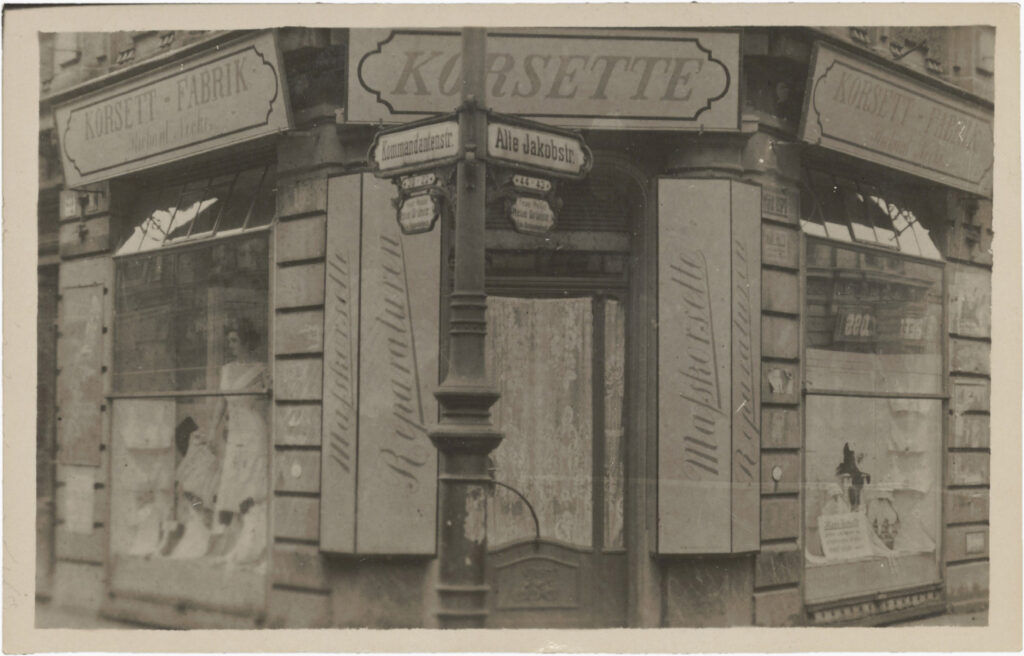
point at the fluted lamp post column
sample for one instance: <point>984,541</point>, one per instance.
<point>464,436</point>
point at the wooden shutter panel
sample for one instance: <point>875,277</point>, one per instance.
<point>709,363</point>
<point>379,470</point>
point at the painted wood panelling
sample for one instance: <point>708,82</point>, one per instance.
<point>302,196</point>
<point>780,246</point>
<point>341,373</point>
<point>80,358</point>
<point>780,291</point>
<point>398,349</point>
<point>84,238</point>
<point>967,505</point>
<point>969,431</point>
<point>299,286</point>
<point>780,382</point>
<point>298,380</point>
<point>967,581</point>
<point>296,471</point>
<point>780,518</point>
<point>970,301</point>
<point>967,468</point>
<point>297,518</point>
<point>299,332</point>
<point>297,425</point>
<point>966,542</point>
<point>301,239</point>
<point>969,395</point>
<point>968,356</point>
<point>781,428</point>
<point>789,468</point>
<point>709,341</point>
<point>780,337</point>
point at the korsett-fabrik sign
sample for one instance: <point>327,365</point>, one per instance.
<point>233,94</point>
<point>682,80</point>
<point>893,120</point>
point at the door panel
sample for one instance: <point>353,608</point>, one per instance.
<point>548,358</point>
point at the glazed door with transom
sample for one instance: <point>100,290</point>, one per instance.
<point>555,516</point>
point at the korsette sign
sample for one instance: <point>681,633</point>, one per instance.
<point>215,99</point>
<point>611,79</point>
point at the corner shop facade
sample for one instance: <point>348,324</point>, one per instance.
<point>790,170</point>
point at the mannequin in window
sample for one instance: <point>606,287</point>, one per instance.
<point>240,518</point>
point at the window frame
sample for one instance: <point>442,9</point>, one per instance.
<point>942,396</point>
<point>164,573</point>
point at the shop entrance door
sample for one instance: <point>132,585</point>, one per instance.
<point>559,364</point>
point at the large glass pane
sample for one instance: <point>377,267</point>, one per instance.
<point>872,495</point>
<point>540,354</point>
<point>172,308</point>
<point>191,473</point>
<point>873,321</point>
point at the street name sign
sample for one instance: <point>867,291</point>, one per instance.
<point>554,152</point>
<point>416,146</point>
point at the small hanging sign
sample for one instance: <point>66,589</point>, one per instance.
<point>418,202</point>
<point>532,216</point>
<point>418,213</point>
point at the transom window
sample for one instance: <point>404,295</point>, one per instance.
<point>219,205</point>
<point>850,210</point>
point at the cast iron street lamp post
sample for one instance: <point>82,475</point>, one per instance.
<point>464,435</point>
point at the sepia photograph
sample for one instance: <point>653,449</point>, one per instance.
<point>404,323</point>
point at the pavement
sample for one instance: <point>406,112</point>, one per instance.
<point>49,616</point>
<point>52,617</point>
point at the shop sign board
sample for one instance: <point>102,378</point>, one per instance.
<point>553,152</point>
<point>709,366</point>
<point>417,213</point>
<point>865,111</point>
<point>532,216</point>
<point>234,94</point>
<point>684,80</point>
<point>420,145</point>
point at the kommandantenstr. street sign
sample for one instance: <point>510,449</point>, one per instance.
<point>415,147</point>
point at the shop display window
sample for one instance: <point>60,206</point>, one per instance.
<point>874,380</point>
<point>190,422</point>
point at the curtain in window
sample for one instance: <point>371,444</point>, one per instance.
<point>539,355</point>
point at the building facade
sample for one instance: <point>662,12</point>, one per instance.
<point>744,376</point>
